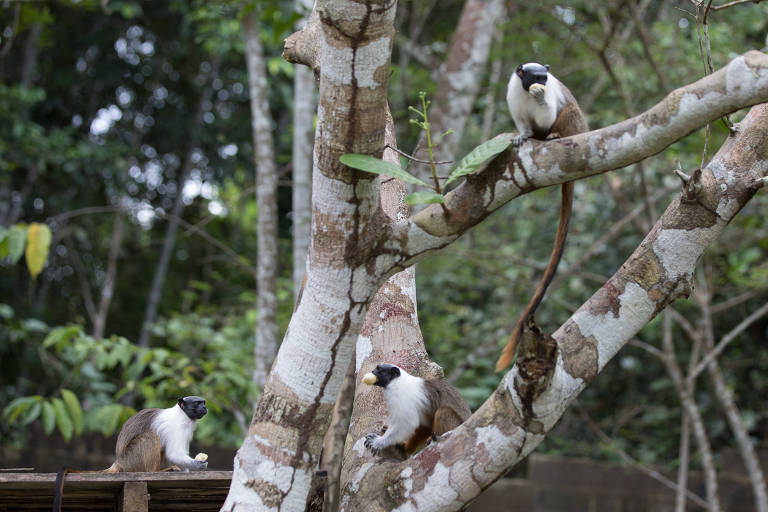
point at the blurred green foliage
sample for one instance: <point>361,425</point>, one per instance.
<point>100,112</point>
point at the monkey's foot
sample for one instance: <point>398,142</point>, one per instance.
<point>518,141</point>
<point>171,468</point>
<point>370,440</point>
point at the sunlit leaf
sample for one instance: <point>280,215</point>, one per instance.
<point>477,156</point>
<point>38,244</point>
<point>424,197</point>
<point>377,166</point>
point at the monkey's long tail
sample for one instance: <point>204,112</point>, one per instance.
<point>566,206</point>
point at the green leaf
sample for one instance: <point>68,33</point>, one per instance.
<point>49,418</point>
<point>479,155</point>
<point>424,197</point>
<point>62,336</point>
<point>63,421</point>
<point>38,243</point>
<point>32,414</point>
<point>17,407</point>
<point>17,238</point>
<point>75,411</point>
<point>377,166</point>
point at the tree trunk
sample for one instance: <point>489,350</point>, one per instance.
<point>461,76</point>
<point>169,240</point>
<point>728,404</point>
<point>161,270</point>
<point>266,197</point>
<point>100,320</point>
<point>303,116</point>
<point>356,247</point>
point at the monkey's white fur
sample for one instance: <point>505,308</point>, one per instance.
<point>404,395</point>
<point>534,112</point>
<point>175,430</point>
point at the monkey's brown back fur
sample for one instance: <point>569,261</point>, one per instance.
<point>450,411</point>
<point>138,447</point>
<point>570,121</point>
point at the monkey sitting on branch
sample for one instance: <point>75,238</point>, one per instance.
<point>542,108</point>
<point>419,410</point>
<point>153,440</point>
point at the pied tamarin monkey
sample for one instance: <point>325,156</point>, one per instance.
<point>153,440</point>
<point>418,409</point>
<point>542,107</point>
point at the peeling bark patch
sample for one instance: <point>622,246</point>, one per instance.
<point>535,363</point>
<point>678,250</point>
<point>437,493</point>
<point>579,357</point>
<point>495,445</point>
<point>363,350</point>
<point>611,331</point>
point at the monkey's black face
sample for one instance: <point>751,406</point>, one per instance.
<point>194,406</point>
<point>385,373</point>
<point>532,73</point>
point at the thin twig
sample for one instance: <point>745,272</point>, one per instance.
<point>409,157</point>
<point>728,338</point>
<point>735,2</point>
<point>628,459</point>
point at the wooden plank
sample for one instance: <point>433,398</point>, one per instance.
<point>97,491</point>
<point>133,498</point>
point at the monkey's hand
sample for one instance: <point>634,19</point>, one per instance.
<point>199,465</point>
<point>375,443</point>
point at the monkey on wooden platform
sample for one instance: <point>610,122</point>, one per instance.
<point>418,409</point>
<point>153,440</point>
<point>542,107</point>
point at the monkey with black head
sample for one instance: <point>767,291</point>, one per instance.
<point>418,409</point>
<point>153,440</point>
<point>542,108</point>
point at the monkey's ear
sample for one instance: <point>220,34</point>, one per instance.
<point>181,402</point>
<point>546,66</point>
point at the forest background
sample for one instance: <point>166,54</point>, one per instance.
<point>142,258</point>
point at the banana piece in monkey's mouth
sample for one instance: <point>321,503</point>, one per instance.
<point>202,457</point>
<point>537,90</point>
<point>369,379</point>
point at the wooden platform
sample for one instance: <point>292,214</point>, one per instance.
<point>121,492</point>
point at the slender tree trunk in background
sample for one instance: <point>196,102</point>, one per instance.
<point>31,51</point>
<point>161,270</point>
<point>727,403</point>
<point>303,138</point>
<point>461,76</point>
<point>694,414</point>
<point>169,240</point>
<point>266,198</point>
<point>100,320</point>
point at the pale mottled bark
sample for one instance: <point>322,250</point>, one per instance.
<point>274,466</point>
<point>355,247</point>
<point>742,83</point>
<point>303,115</point>
<point>445,476</point>
<point>266,198</point>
